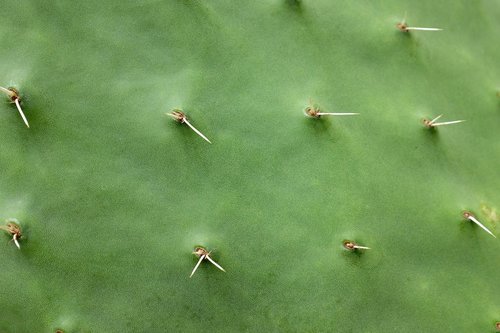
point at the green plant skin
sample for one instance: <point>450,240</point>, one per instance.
<point>113,195</point>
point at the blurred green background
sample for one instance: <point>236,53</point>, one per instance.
<point>113,195</point>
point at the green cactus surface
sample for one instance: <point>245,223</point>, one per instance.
<point>112,195</point>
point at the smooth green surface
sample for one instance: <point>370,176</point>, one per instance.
<point>113,195</point>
